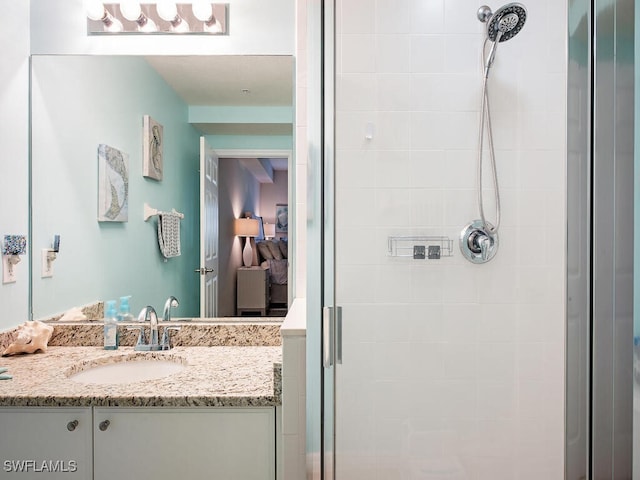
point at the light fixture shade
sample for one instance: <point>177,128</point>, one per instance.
<point>269,230</point>
<point>95,9</point>
<point>167,10</point>
<point>202,10</point>
<point>130,10</point>
<point>247,227</point>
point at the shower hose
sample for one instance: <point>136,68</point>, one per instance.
<point>485,119</point>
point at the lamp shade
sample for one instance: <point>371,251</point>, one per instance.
<point>269,230</point>
<point>247,227</point>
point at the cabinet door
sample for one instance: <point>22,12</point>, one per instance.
<point>51,443</point>
<point>252,289</point>
<point>189,443</point>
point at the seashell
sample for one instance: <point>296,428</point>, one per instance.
<point>32,336</point>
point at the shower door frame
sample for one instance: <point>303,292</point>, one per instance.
<point>599,377</point>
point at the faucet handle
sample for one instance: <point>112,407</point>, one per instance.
<point>141,337</point>
<point>485,245</point>
<point>166,337</point>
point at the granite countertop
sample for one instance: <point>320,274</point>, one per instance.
<point>215,376</point>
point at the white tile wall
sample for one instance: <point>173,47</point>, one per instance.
<point>450,369</point>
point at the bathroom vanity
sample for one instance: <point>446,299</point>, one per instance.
<point>215,418</point>
<point>106,443</point>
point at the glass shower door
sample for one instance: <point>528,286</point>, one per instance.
<point>449,369</point>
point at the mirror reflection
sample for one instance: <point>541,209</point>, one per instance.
<point>111,134</point>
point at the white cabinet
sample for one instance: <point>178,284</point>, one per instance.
<point>182,443</point>
<point>196,443</point>
<point>252,288</point>
<point>51,443</point>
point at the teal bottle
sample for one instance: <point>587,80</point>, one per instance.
<point>111,339</point>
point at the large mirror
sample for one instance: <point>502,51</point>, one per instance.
<point>79,103</point>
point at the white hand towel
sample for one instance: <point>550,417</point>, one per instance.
<point>169,234</point>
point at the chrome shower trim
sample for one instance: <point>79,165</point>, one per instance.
<point>484,13</point>
<point>508,20</point>
<point>479,242</point>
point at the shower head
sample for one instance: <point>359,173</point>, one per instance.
<point>504,23</point>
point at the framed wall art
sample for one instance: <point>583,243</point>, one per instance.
<point>282,217</point>
<point>113,185</point>
<point>153,143</point>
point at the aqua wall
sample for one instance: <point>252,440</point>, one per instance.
<point>251,142</point>
<point>78,103</point>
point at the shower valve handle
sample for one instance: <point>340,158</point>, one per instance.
<point>484,243</point>
<point>479,242</point>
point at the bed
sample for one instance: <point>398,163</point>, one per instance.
<point>273,254</point>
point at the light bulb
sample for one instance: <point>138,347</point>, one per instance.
<point>202,10</point>
<point>113,25</point>
<point>95,9</point>
<point>147,25</point>
<point>212,26</point>
<point>130,10</point>
<point>167,10</point>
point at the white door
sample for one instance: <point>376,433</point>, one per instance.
<point>208,231</point>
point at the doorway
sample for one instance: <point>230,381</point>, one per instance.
<point>255,182</point>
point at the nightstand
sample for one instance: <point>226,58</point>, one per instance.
<point>252,290</point>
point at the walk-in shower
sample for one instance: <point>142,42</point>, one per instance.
<point>479,239</point>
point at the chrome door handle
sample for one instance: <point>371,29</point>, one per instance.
<point>203,270</point>
<point>331,336</point>
<point>327,337</point>
<point>339,335</point>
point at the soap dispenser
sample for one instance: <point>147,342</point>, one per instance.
<point>124,313</point>
<point>110,326</point>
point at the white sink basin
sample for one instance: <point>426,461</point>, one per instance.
<point>128,371</point>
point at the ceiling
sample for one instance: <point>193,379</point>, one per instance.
<point>232,81</point>
<point>221,80</point>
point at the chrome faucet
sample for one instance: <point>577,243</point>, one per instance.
<point>149,313</point>
<point>171,302</point>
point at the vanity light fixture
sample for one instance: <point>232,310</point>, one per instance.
<point>161,17</point>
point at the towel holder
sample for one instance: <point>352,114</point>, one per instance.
<point>150,212</point>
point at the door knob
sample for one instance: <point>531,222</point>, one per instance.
<point>203,270</point>
<point>71,426</point>
<point>104,425</point>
